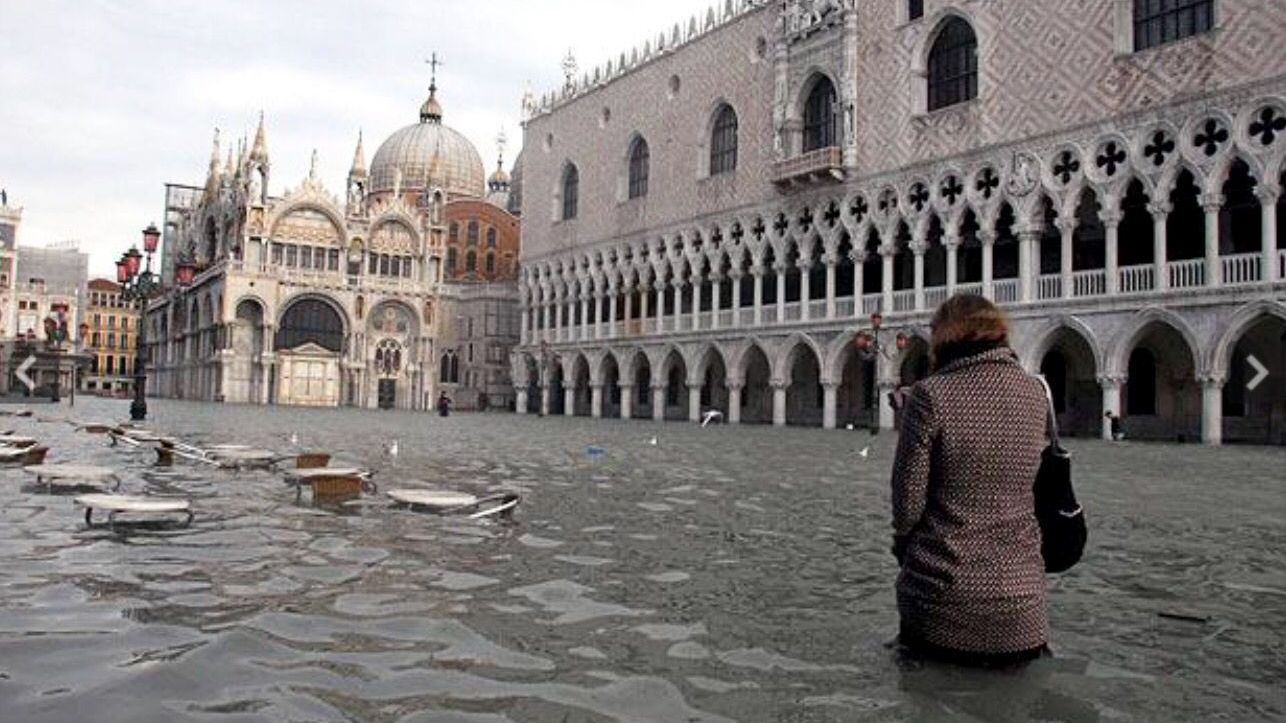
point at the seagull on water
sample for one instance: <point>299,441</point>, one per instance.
<point>866,452</point>
<point>391,448</point>
<point>714,415</point>
<point>294,439</point>
<point>653,442</point>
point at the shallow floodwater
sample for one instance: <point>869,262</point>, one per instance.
<point>722,574</point>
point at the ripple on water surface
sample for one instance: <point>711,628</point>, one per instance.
<point>721,574</point>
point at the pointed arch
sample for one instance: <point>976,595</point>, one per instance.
<point>1143,321</point>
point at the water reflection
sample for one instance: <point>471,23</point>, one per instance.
<point>721,574</point>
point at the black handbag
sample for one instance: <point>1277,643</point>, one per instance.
<point>1061,517</point>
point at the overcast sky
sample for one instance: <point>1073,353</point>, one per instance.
<point>104,101</point>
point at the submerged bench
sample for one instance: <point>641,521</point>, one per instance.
<point>456,503</point>
<point>73,475</point>
<point>116,505</point>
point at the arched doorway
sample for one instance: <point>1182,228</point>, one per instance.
<point>855,396</point>
<point>1069,368</point>
<point>1257,416</point>
<point>756,396</point>
<point>1161,397</point>
<point>804,392</point>
<point>533,384</point>
<point>714,384</point>
<point>674,399</point>
<point>246,384</point>
<point>310,342</point>
<point>611,387</point>
<point>642,387</point>
<point>580,387</point>
<point>557,388</point>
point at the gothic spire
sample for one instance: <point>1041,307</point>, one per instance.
<point>259,151</point>
<point>359,160</point>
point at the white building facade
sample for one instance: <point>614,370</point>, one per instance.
<point>712,218</point>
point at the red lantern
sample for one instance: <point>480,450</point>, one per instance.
<point>122,271</point>
<point>877,320</point>
<point>151,238</point>
<point>184,273</point>
<point>134,260</point>
<point>902,341</point>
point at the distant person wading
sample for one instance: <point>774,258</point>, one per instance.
<point>972,584</point>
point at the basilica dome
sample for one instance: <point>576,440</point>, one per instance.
<point>429,152</point>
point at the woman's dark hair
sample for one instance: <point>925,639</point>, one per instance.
<point>965,325</point>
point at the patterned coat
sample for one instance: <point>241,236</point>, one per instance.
<point>964,519</point>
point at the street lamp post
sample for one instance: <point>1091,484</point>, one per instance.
<point>870,346</point>
<point>137,286</point>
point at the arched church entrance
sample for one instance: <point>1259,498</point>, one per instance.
<point>310,343</point>
<point>1161,399</point>
<point>804,392</point>
<point>756,398</point>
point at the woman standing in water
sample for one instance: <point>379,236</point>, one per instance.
<point>972,583</point>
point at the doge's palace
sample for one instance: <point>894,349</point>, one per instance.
<point>711,217</point>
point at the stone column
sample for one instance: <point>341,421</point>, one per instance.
<point>805,288</point>
<point>886,408</point>
<point>678,304</point>
<point>1067,231</point>
<point>734,280</point>
<point>988,239</point>
<point>596,401</point>
<point>560,317</point>
<point>829,401</point>
<point>951,242</point>
<point>629,310</point>
<point>695,278</point>
<point>694,403</point>
<point>780,269</point>
<point>1111,387</point>
<point>831,260</point>
<point>520,403</point>
<point>547,334</point>
<point>1268,224</point>
<point>660,307</point>
<point>627,401</point>
<point>779,402</point>
<point>716,290</point>
<point>1160,269</point>
<point>569,401</point>
<point>887,253</point>
<point>523,338</point>
<point>658,403</point>
<point>758,271</point>
<point>1027,270</point>
<point>598,313</point>
<point>859,279</point>
<point>645,293</point>
<point>611,314</point>
<point>583,332</point>
<point>1211,410</point>
<point>1111,227</point>
<point>734,402</point>
<point>918,248</point>
<point>1211,203</point>
<point>544,399</point>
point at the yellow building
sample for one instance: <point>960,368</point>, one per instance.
<point>110,335</point>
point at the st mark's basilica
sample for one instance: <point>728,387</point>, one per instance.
<point>399,291</point>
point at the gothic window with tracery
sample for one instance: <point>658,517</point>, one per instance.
<point>723,142</point>
<point>953,65</point>
<point>1157,22</point>
<point>640,160</point>
<point>472,237</point>
<point>821,127</point>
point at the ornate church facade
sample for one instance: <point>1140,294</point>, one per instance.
<point>312,300</point>
<point>713,219</point>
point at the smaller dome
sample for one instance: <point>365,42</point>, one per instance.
<point>499,178</point>
<point>431,110</point>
